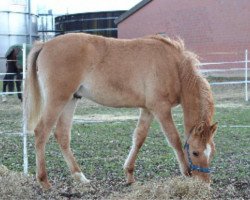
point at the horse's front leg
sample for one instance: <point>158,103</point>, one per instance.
<point>164,116</point>
<point>139,137</point>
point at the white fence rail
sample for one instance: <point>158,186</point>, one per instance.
<point>245,69</point>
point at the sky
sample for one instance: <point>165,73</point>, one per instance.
<point>79,6</point>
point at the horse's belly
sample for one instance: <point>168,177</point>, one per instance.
<point>110,96</point>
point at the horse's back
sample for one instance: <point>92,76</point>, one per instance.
<point>112,72</point>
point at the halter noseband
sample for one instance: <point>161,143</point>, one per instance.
<point>191,165</point>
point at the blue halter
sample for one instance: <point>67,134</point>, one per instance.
<point>195,167</point>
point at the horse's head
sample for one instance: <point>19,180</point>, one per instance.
<point>199,150</point>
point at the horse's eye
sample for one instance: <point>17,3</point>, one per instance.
<point>195,153</point>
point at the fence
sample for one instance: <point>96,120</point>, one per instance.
<point>244,82</point>
<point>23,72</point>
<point>245,69</point>
<point>25,153</point>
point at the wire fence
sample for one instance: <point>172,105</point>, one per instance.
<point>12,77</point>
<point>10,80</point>
<point>240,73</point>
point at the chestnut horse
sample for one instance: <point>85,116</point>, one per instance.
<point>152,73</point>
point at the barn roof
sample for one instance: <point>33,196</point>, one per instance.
<point>132,11</point>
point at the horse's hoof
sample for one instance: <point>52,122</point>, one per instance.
<point>130,179</point>
<point>128,184</point>
<point>79,176</point>
<point>45,185</point>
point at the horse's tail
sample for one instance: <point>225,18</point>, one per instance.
<point>33,100</point>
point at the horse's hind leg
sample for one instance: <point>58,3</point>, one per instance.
<point>48,119</point>
<point>139,137</point>
<point>62,135</point>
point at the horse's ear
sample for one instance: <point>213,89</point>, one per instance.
<point>199,128</point>
<point>213,128</point>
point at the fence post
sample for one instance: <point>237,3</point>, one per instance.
<point>246,75</point>
<point>25,151</point>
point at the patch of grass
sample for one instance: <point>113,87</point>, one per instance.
<point>233,116</point>
<point>223,79</point>
<point>101,149</point>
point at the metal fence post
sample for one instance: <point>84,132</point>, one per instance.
<point>25,151</point>
<point>246,75</point>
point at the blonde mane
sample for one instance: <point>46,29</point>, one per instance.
<point>190,76</point>
<point>194,82</point>
<point>177,44</point>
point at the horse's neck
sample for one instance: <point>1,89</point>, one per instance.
<point>197,104</point>
<point>191,109</point>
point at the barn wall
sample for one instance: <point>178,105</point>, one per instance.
<point>207,26</point>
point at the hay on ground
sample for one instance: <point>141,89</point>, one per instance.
<point>175,188</point>
<point>15,185</point>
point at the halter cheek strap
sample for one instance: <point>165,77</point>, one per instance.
<point>192,166</point>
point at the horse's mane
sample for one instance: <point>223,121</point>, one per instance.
<point>193,81</point>
<point>177,44</point>
<point>190,77</point>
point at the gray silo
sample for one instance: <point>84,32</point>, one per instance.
<point>15,26</point>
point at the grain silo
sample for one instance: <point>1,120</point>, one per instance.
<point>99,23</point>
<point>17,24</point>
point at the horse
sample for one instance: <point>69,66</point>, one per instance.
<point>12,71</point>
<point>152,73</point>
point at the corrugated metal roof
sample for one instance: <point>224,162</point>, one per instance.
<point>132,11</point>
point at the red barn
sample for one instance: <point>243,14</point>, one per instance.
<point>217,30</point>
